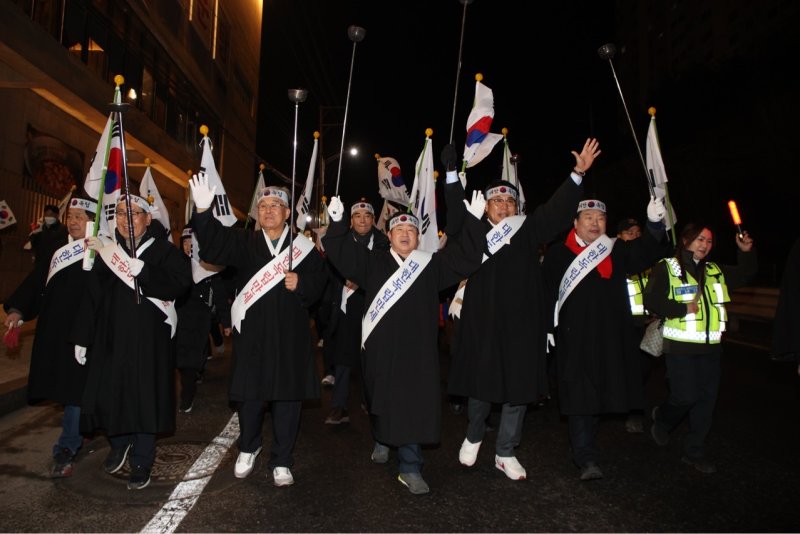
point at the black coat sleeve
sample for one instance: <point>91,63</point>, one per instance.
<point>555,215</point>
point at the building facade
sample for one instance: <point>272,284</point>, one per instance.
<point>185,62</point>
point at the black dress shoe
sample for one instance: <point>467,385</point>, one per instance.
<point>701,464</point>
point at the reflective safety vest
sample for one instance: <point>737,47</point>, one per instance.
<point>707,325</point>
<point>636,285</point>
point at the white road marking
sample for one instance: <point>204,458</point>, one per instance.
<point>185,494</point>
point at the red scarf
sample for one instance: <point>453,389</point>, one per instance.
<point>604,267</point>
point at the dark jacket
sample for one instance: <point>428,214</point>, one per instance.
<point>130,386</point>
<point>273,357</point>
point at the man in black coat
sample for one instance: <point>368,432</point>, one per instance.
<point>127,342</point>
<point>348,309</point>
<point>597,349</point>
<point>196,309</point>
<point>272,345</point>
<point>47,237</point>
<point>499,344</point>
<point>54,374</point>
<point>400,326</point>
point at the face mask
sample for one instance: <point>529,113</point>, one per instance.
<point>50,220</point>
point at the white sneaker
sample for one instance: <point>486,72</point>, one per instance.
<point>510,466</point>
<point>329,380</point>
<point>282,476</point>
<point>245,463</point>
<point>469,452</point>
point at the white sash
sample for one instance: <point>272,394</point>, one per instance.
<point>267,277</point>
<point>393,290</point>
<point>501,234</point>
<point>346,291</point>
<point>67,255</point>
<point>119,262</point>
<point>496,238</point>
<point>589,258</point>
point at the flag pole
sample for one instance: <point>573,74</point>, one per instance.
<point>119,109</point>
<point>652,112</point>
<point>296,96</point>
<point>607,52</point>
<point>356,34</point>
<point>187,214</point>
<point>458,65</point>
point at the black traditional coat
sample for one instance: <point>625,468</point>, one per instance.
<point>195,312</point>
<point>54,374</point>
<point>401,361</point>
<point>345,326</point>
<point>273,357</point>
<point>597,348</point>
<point>131,360</point>
<point>499,342</point>
<point>786,327</point>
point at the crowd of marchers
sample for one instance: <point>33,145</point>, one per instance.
<point>119,315</point>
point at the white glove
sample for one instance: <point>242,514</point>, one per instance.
<point>202,195</point>
<point>94,243</point>
<point>656,209</point>
<point>136,266</point>
<point>477,206</point>
<point>336,208</point>
<point>80,354</point>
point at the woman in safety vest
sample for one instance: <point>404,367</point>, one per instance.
<point>689,294</point>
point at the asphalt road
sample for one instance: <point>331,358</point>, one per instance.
<point>755,442</point>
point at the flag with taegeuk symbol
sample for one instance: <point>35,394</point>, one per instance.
<point>390,181</point>
<point>423,200</point>
<point>104,179</point>
<point>6,215</point>
<point>221,206</point>
<point>510,175</point>
<point>158,210</point>
<point>480,141</point>
<point>303,203</point>
<point>658,174</point>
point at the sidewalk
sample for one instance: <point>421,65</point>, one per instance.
<point>15,364</point>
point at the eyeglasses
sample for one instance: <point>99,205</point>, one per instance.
<point>123,214</point>
<point>497,201</point>
<point>269,207</point>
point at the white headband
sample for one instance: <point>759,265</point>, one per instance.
<point>362,206</point>
<point>500,190</point>
<point>139,201</point>
<point>591,205</point>
<point>403,218</point>
<point>84,204</point>
<point>274,192</point>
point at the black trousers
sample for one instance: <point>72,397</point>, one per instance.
<point>582,434</point>
<point>143,448</point>
<point>693,388</point>
<point>285,424</point>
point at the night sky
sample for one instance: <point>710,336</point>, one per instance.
<point>726,131</point>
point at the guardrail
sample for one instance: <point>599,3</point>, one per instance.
<point>754,303</point>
